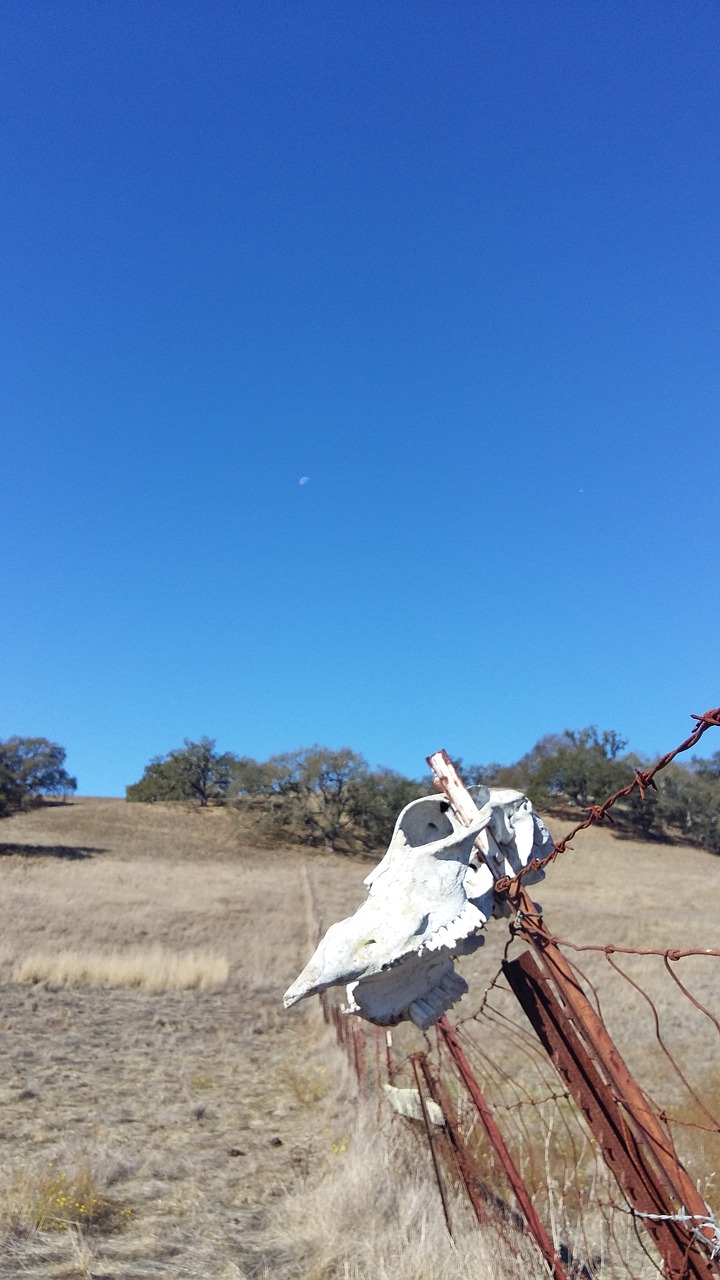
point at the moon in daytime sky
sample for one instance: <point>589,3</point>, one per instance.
<point>304,479</point>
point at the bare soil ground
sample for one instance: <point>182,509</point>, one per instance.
<point>191,1108</point>
<point>190,1116</point>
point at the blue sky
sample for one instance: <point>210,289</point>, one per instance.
<point>456,264</point>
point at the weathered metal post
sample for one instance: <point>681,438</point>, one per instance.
<point>520,1191</point>
<point>389,1059</point>
<point>479,1193</point>
<point>648,1145</point>
<point>598,1102</point>
<point>431,1142</point>
<point>360,1060</point>
<point>378,1073</point>
<point>681,1225</point>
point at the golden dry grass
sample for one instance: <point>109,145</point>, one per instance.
<point>377,1214</point>
<point>54,1197</point>
<point>226,1125</point>
<point>195,1108</point>
<point>152,968</point>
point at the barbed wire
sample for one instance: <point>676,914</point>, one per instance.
<point>609,948</point>
<point>687,1219</point>
<point>643,780</point>
<point>542,1127</point>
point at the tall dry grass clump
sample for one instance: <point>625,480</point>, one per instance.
<point>376,1213</point>
<point>65,1192</point>
<point>153,968</point>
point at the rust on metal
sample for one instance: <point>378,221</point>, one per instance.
<point>431,1142</point>
<point>647,1128</point>
<point>643,779</point>
<point>324,1005</point>
<point>359,1057</point>
<point>625,1155</point>
<point>652,1162</point>
<point>609,949</point>
<point>486,1205</point>
<point>389,1055</point>
<point>661,1042</point>
<point>683,988</point>
<point>512,1173</point>
<point>378,1072</point>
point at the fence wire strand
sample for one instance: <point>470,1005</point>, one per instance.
<point>666,1032</point>
<point>644,780</point>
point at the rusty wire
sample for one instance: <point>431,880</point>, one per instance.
<point>690,996</point>
<point>655,1014</point>
<point>661,1041</point>
<point>547,1135</point>
<point>557,1150</point>
<point>643,780</point>
<point>668,956</point>
<point>610,948</point>
<point>542,1127</point>
<point>588,1218</point>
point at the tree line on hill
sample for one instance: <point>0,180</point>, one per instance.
<point>332,798</point>
<point>316,795</point>
<point>31,768</point>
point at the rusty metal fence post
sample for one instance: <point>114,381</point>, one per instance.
<point>682,1219</point>
<point>514,1177</point>
<point>634,1149</point>
<point>637,1148</point>
<point>479,1193</point>
<point>417,1067</point>
<point>635,1142</point>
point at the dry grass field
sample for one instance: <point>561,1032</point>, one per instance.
<point>163,1117</point>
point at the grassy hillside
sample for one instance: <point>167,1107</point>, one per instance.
<point>153,1085</point>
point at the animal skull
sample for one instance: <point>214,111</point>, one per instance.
<point>428,900</point>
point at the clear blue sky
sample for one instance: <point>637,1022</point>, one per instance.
<point>455,263</point>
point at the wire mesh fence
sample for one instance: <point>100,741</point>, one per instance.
<point>578,1101</point>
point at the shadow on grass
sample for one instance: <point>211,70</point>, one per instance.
<point>71,852</point>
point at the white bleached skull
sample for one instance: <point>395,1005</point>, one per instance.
<point>428,899</point>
